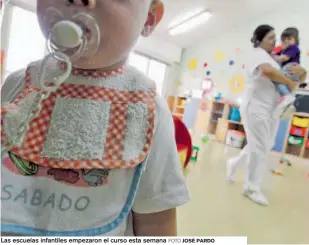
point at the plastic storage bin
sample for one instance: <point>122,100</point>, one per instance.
<point>298,141</point>
<point>235,138</point>
<point>296,131</point>
<point>234,114</point>
<point>300,122</point>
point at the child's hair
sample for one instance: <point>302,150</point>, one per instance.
<point>291,32</point>
<point>154,2</point>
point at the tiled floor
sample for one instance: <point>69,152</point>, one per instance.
<point>219,209</point>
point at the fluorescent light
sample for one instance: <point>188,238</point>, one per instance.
<point>185,16</point>
<point>190,23</point>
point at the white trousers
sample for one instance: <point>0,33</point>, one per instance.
<point>261,130</point>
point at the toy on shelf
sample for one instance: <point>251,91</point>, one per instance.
<point>293,140</point>
<point>235,138</point>
<point>218,97</point>
<point>183,141</point>
<point>195,152</point>
<point>300,122</point>
<point>296,131</point>
<point>234,114</point>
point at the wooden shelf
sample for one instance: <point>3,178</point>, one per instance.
<point>177,106</point>
<point>299,151</point>
<point>301,114</point>
<point>212,118</point>
<point>302,90</point>
<point>234,122</point>
<point>293,150</point>
<point>306,153</point>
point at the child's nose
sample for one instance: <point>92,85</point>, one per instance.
<point>88,3</point>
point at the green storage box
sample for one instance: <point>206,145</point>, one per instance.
<point>298,141</point>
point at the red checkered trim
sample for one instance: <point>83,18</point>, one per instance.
<point>116,133</point>
<point>92,73</point>
<point>31,148</point>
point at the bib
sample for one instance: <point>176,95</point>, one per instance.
<point>94,120</point>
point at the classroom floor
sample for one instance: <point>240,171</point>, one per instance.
<point>218,208</point>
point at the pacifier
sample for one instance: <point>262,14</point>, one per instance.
<point>67,34</point>
<point>69,38</point>
<point>76,36</point>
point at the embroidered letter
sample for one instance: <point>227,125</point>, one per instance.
<point>82,203</point>
<point>5,189</point>
<point>36,199</point>
<point>22,195</point>
<point>50,201</point>
<point>65,202</point>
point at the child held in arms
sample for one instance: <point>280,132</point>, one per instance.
<point>288,55</point>
<point>87,145</point>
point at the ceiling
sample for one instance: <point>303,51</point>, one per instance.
<point>226,14</point>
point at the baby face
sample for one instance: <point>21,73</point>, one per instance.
<point>288,41</point>
<point>120,23</point>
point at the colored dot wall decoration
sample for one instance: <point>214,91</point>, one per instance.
<point>219,56</point>
<point>237,84</point>
<point>193,64</point>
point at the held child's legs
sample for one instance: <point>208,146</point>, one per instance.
<point>282,89</point>
<point>287,98</point>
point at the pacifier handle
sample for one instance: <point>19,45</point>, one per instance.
<point>58,80</point>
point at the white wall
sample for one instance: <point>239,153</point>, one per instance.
<point>239,37</point>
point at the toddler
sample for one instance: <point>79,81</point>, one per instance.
<point>87,146</point>
<point>289,55</point>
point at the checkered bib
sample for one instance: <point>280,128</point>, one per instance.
<point>94,120</point>
<point>93,123</point>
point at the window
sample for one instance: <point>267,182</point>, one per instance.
<point>26,42</point>
<point>155,70</point>
<point>139,62</point>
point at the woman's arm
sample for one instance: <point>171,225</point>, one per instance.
<point>275,75</point>
<point>155,224</point>
<point>298,71</point>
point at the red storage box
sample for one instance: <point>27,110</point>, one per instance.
<point>307,144</point>
<point>296,131</point>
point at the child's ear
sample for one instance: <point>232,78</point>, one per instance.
<point>155,15</point>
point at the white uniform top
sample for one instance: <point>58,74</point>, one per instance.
<point>260,91</point>
<point>56,206</point>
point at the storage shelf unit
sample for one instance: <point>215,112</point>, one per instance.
<point>212,118</point>
<point>177,105</point>
<point>300,150</point>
